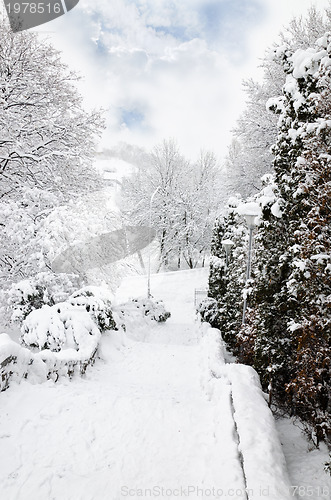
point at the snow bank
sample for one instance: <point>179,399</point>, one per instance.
<point>212,347</point>
<point>212,359</point>
<point>263,461</point>
<point>263,458</point>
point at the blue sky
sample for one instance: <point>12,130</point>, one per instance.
<point>222,21</point>
<point>170,68</point>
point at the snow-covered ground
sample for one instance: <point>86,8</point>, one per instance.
<point>148,420</point>
<point>305,463</point>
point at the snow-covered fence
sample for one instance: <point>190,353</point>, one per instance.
<point>66,363</point>
<point>6,371</point>
<point>15,362</point>
<point>199,295</point>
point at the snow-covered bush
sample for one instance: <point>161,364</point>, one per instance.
<point>60,327</point>
<point>142,308</point>
<point>153,309</point>
<point>57,340</point>
<point>43,329</point>
<point>208,310</point>
<point>42,289</point>
<point>97,301</point>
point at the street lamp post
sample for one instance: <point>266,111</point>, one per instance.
<point>227,244</point>
<point>149,244</point>
<point>250,221</point>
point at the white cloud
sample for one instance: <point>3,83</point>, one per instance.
<point>170,68</point>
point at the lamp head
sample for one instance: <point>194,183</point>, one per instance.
<point>227,244</point>
<point>250,220</point>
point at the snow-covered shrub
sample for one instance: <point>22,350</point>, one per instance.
<point>60,327</point>
<point>43,329</point>
<point>138,309</point>
<point>97,301</point>
<point>57,340</point>
<point>208,310</point>
<point>152,309</point>
<point>74,324</point>
<point>42,289</point>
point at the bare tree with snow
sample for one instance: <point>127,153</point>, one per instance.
<point>186,195</point>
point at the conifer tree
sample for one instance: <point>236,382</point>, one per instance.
<point>249,156</point>
<point>216,281</point>
<point>290,323</point>
<point>231,302</point>
<point>309,281</point>
<point>226,279</point>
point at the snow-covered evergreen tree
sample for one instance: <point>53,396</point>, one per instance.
<point>309,218</point>
<point>290,323</point>
<point>231,303</point>
<point>249,156</point>
<point>216,279</point>
<point>227,280</point>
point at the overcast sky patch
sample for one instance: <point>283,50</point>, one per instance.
<point>183,59</point>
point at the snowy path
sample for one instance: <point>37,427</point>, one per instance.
<point>139,420</point>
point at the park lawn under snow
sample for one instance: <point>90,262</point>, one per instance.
<point>159,415</point>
